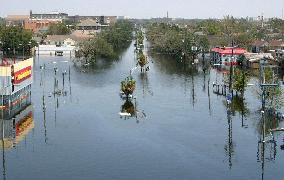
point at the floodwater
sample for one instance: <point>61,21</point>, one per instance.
<point>179,128</point>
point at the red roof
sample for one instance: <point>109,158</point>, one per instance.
<point>228,50</point>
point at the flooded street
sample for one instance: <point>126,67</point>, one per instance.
<point>181,129</point>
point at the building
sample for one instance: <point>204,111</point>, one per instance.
<point>89,25</point>
<point>38,25</point>
<point>60,45</point>
<point>260,46</point>
<point>16,20</point>
<point>226,55</point>
<point>251,60</point>
<point>276,44</point>
<point>54,16</point>
<point>104,20</point>
<point>63,40</point>
<point>16,80</point>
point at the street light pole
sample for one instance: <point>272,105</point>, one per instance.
<point>231,69</point>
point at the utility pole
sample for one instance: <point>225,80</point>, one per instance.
<point>231,69</point>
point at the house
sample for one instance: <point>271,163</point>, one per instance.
<point>251,60</point>
<point>276,44</point>
<point>61,40</point>
<point>59,44</point>
<point>226,55</point>
<point>259,46</point>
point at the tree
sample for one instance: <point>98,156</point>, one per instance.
<point>119,35</point>
<point>128,86</point>
<point>273,95</point>
<point>240,80</point>
<point>277,23</point>
<point>107,43</point>
<point>2,21</point>
<point>15,39</point>
<point>58,29</point>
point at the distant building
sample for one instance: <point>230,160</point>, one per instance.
<point>251,60</point>
<point>276,44</point>
<point>226,55</point>
<point>90,25</point>
<point>41,22</point>
<point>103,20</point>
<point>54,16</point>
<point>63,40</point>
<point>16,20</point>
<point>38,25</point>
<point>59,44</point>
<point>259,46</point>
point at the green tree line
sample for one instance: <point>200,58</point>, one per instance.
<point>108,43</point>
<point>15,39</point>
<point>173,40</point>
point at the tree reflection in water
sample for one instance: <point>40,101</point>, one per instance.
<point>129,110</point>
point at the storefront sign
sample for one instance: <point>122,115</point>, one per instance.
<point>22,75</point>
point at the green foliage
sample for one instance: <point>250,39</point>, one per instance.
<point>277,23</point>
<point>172,40</point>
<point>240,80</point>
<point>107,42</point>
<point>97,47</point>
<point>2,21</point>
<point>210,27</point>
<point>203,42</point>
<point>15,39</point>
<point>119,35</point>
<point>58,29</point>
<point>273,95</point>
<point>238,105</point>
<point>128,86</point>
<point>140,37</point>
<point>128,107</point>
<point>142,60</point>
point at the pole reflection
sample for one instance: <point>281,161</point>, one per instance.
<point>229,147</point>
<point>145,84</point>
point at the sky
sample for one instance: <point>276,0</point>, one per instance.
<point>190,9</point>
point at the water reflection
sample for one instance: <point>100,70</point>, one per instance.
<point>145,84</point>
<point>14,128</point>
<point>266,149</point>
<point>129,110</point>
<point>58,90</point>
<point>229,147</point>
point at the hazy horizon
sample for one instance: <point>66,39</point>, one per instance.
<point>148,9</point>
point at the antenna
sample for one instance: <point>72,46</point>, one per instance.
<point>282,12</point>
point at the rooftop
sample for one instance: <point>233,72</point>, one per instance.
<point>64,37</point>
<point>17,17</point>
<point>88,22</point>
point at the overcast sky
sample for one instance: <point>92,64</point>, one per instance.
<point>148,8</point>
